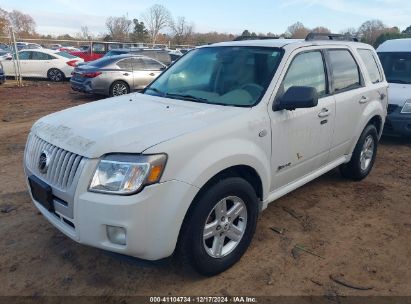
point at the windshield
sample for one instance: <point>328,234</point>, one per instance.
<point>397,66</point>
<point>235,76</point>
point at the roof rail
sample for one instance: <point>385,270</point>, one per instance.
<point>241,38</point>
<point>324,36</point>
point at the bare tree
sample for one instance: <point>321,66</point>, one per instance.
<point>349,32</point>
<point>297,31</point>
<point>118,28</point>
<point>182,30</point>
<point>156,18</point>
<point>4,22</point>
<point>23,24</point>
<point>370,30</point>
<point>85,33</point>
<point>321,29</point>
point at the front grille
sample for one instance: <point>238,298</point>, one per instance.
<point>391,108</point>
<point>62,166</point>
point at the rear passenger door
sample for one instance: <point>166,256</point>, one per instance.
<point>351,96</point>
<point>301,138</point>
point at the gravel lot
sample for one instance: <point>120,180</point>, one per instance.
<point>358,233</point>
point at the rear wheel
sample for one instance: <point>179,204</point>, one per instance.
<point>119,88</point>
<point>55,75</point>
<point>219,228</point>
<point>363,157</point>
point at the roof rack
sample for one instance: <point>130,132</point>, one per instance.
<point>241,38</point>
<point>324,36</point>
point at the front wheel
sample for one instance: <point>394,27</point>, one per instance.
<point>363,157</point>
<point>55,75</point>
<point>220,226</point>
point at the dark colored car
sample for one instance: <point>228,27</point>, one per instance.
<point>2,76</point>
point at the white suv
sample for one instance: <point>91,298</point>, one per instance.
<point>187,165</point>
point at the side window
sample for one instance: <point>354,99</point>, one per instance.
<point>98,48</point>
<point>113,46</point>
<point>151,65</point>
<point>124,64</point>
<point>24,55</point>
<point>371,64</point>
<point>40,56</point>
<point>137,64</point>
<point>307,70</point>
<point>345,71</point>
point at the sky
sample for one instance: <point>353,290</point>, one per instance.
<point>230,16</point>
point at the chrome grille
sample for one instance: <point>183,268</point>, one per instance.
<point>62,166</point>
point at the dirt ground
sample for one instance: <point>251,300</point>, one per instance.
<point>359,232</point>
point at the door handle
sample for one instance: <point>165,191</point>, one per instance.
<point>364,99</point>
<point>324,113</point>
<point>152,74</point>
<point>126,74</point>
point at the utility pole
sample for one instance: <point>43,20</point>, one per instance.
<point>16,59</point>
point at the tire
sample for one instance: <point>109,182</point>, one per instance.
<point>119,88</point>
<point>363,157</point>
<point>55,75</point>
<point>203,253</point>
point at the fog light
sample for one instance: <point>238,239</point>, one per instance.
<point>116,235</point>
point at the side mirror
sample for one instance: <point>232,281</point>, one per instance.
<point>296,98</point>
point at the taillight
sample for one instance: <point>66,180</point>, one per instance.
<point>91,74</point>
<point>72,63</point>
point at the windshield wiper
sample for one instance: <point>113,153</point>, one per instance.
<point>187,97</point>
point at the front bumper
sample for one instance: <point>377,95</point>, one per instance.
<point>397,123</point>
<point>2,78</point>
<point>151,218</point>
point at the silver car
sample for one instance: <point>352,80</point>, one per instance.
<point>116,75</point>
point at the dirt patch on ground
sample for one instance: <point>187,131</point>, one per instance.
<point>359,232</point>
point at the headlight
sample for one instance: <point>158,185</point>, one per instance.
<point>125,174</point>
<point>407,107</point>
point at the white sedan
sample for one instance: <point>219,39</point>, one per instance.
<point>43,63</point>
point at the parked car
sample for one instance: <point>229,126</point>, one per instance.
<point>186,166</point>
<point>55,46</point>
<point>43,63</point>
<point>4,55</point>
<point>395,56</point>
<point>116,75</point>
<point>28,46</point>
<point>68,49</point>
<point>2,75</point>
<point>157,54</point>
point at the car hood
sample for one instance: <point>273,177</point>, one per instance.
<point>127,124</point>
<point>399,93</point>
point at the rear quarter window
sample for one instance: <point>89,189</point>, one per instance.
<point>371,65</point>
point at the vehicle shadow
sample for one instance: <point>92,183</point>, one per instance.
<point>395,140</point>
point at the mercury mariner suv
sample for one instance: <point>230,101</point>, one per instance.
<point>186,166</point>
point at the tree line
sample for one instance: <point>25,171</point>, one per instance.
<point>157,25</point>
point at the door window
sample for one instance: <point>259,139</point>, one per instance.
<point>25,55</point>
<point>152,65</point>
<point>137,64</point>
<point>40,56</point>
<point>307,70</point>
<point>371,65</point>
<point>345,71</point>
<point>125,64</point>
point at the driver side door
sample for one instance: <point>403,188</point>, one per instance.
<point>301,138</point>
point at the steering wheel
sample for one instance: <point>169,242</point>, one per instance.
<point>254,89</point>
